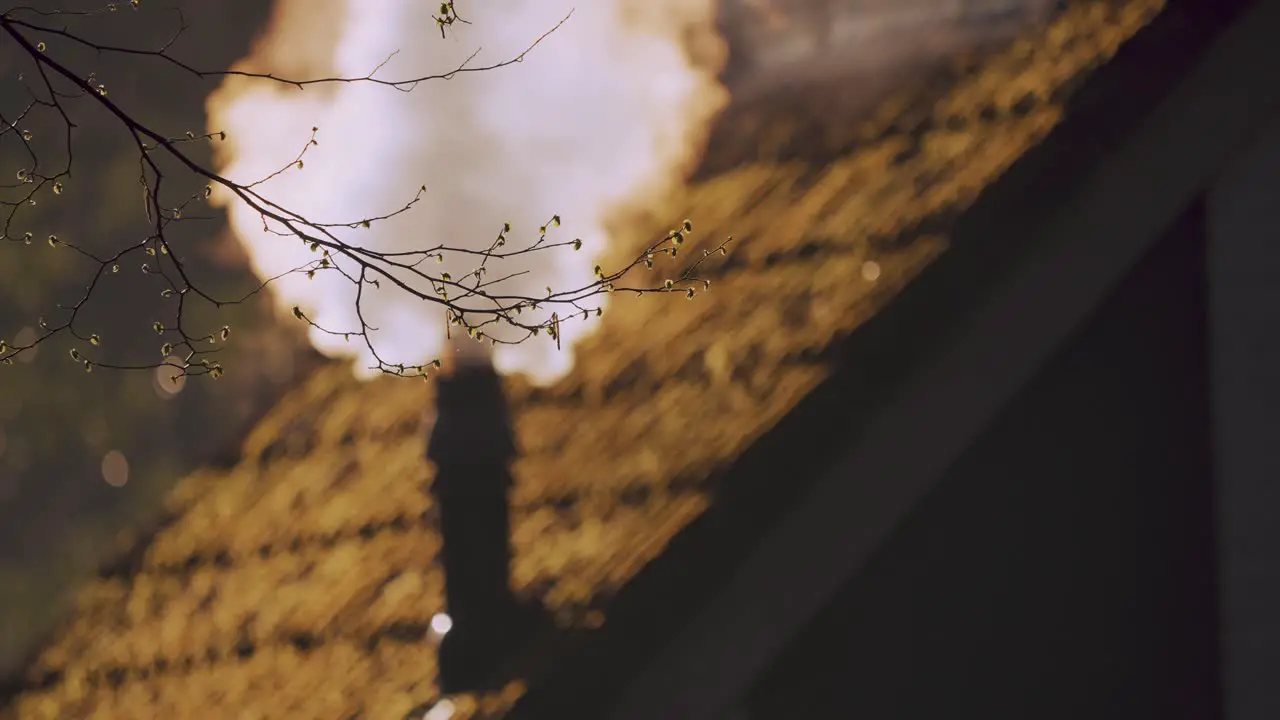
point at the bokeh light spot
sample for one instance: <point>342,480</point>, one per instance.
<point>115,469</point>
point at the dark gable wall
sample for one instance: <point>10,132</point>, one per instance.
<point>1064,568</point>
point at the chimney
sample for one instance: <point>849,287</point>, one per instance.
<point>472,447</point>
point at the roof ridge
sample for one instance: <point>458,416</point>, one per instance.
<point>846,238</point>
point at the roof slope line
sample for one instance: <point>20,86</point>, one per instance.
<point>1087,247</point>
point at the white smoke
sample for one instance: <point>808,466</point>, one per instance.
<point>607,110</point>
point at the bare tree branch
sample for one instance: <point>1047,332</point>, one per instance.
<point>474,304</point>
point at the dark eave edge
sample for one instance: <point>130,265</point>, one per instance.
<point>1088,245</point>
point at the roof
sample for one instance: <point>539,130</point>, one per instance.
<point>266,590</point>
<point>916,384</point>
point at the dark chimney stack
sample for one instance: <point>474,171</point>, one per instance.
<point>472,446</point>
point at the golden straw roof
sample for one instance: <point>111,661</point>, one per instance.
<point>300,583</point>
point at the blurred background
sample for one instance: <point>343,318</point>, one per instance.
<point>83,456</point>
<point>86,458</point>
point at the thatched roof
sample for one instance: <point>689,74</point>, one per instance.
<point>301,582</point>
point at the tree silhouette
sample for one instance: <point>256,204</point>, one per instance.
<point>56,53</point>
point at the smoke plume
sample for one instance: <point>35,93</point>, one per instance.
<point>607,111</point>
